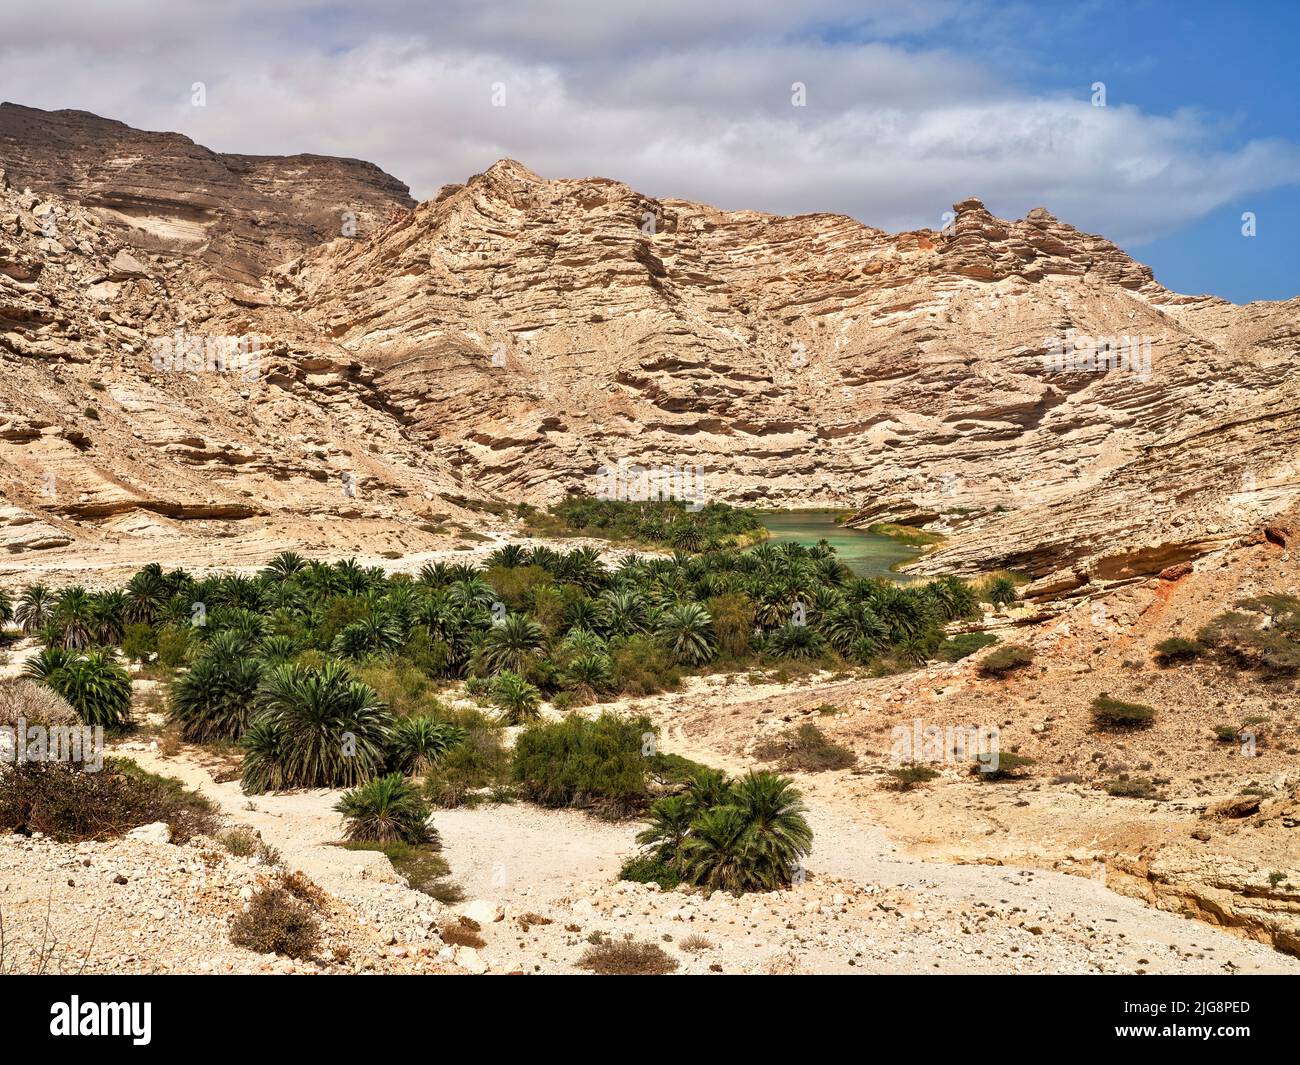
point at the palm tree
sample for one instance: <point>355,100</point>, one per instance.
<point>796,641</point>
<point>716,852</point>
<point>687,631</point>
<point>214,698</point>
<point>6,608</point>
<point>434,575</point>
<point>372,635</point>
<point>855,627</point>
<point>98,688</point>
<point>517,698</point>
<point>35,609</point>
<point>285,565</point>
<point>74,618</point>
<point>667,828</point>
<point>47,661</point>
<point>778,829</point>
<point>624,612</point>
<point>509,644</point>
<point>588,672</point>
<point>146,594</point>
<point>109,610</point>
<point>385,810</point>
<point>314,729</point>
<point>418,742</point>
<point>508,556</point>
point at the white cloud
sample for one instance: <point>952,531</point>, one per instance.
<point>675,98</point>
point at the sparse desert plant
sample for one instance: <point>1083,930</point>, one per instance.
<point>384,810</point>
<point>627,957</point>
<point>912,775</point>
<point>1126,787</point>
<point>999,765</point>
<point>805,750</point>
<point>37,704</point>
<point>69,804</point>
<point>1109,713</point>
<point>462,932</point>
<point>276,922</point>
<point>1005,660</point>
<point>694,944</point>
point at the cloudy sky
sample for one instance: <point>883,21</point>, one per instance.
<point>909,106</point>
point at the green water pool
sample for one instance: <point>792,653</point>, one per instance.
<point>867,554</point>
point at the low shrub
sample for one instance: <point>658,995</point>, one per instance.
<point>805,750</point>
<point>70,805</point>
<point>999,765</point>
<point>1126,787</point>
<point>907,777</point>
<point>639,666</point>
<point>1108,713</point>
<point>462,932</point>
<point>964,644</point>
<point>276,922</point>
<point>479,762</point>
<point>1005,660</point>
<point>627,958</point>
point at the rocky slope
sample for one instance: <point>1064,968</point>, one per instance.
<point>516,334</point>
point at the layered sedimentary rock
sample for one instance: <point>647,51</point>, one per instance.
<point>1024,387</point>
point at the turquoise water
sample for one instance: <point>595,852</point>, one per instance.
<point>867,554</point>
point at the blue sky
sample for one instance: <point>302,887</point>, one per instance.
<point>1238,64</point>
<point>910,106</point>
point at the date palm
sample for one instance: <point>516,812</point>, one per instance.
<point>510,643</point>
<point>315,729</point>
<point>35,608</point>
<point>687,631</point>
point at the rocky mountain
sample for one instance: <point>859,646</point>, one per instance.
<point>239,214</point>
<point>1024,387</point>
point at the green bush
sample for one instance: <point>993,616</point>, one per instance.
<point>955,648</point>
<point>385,810</point>
<point>476,764</point>
<point>638,666</point>
<point>139,642</point>
<point>907,777</point>
<point>1126,787</point>
<point>596,764</point>
<point>999,765</point>
<point>1005,660</point>
<point>1108,713</point>
<point>174,645</point>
